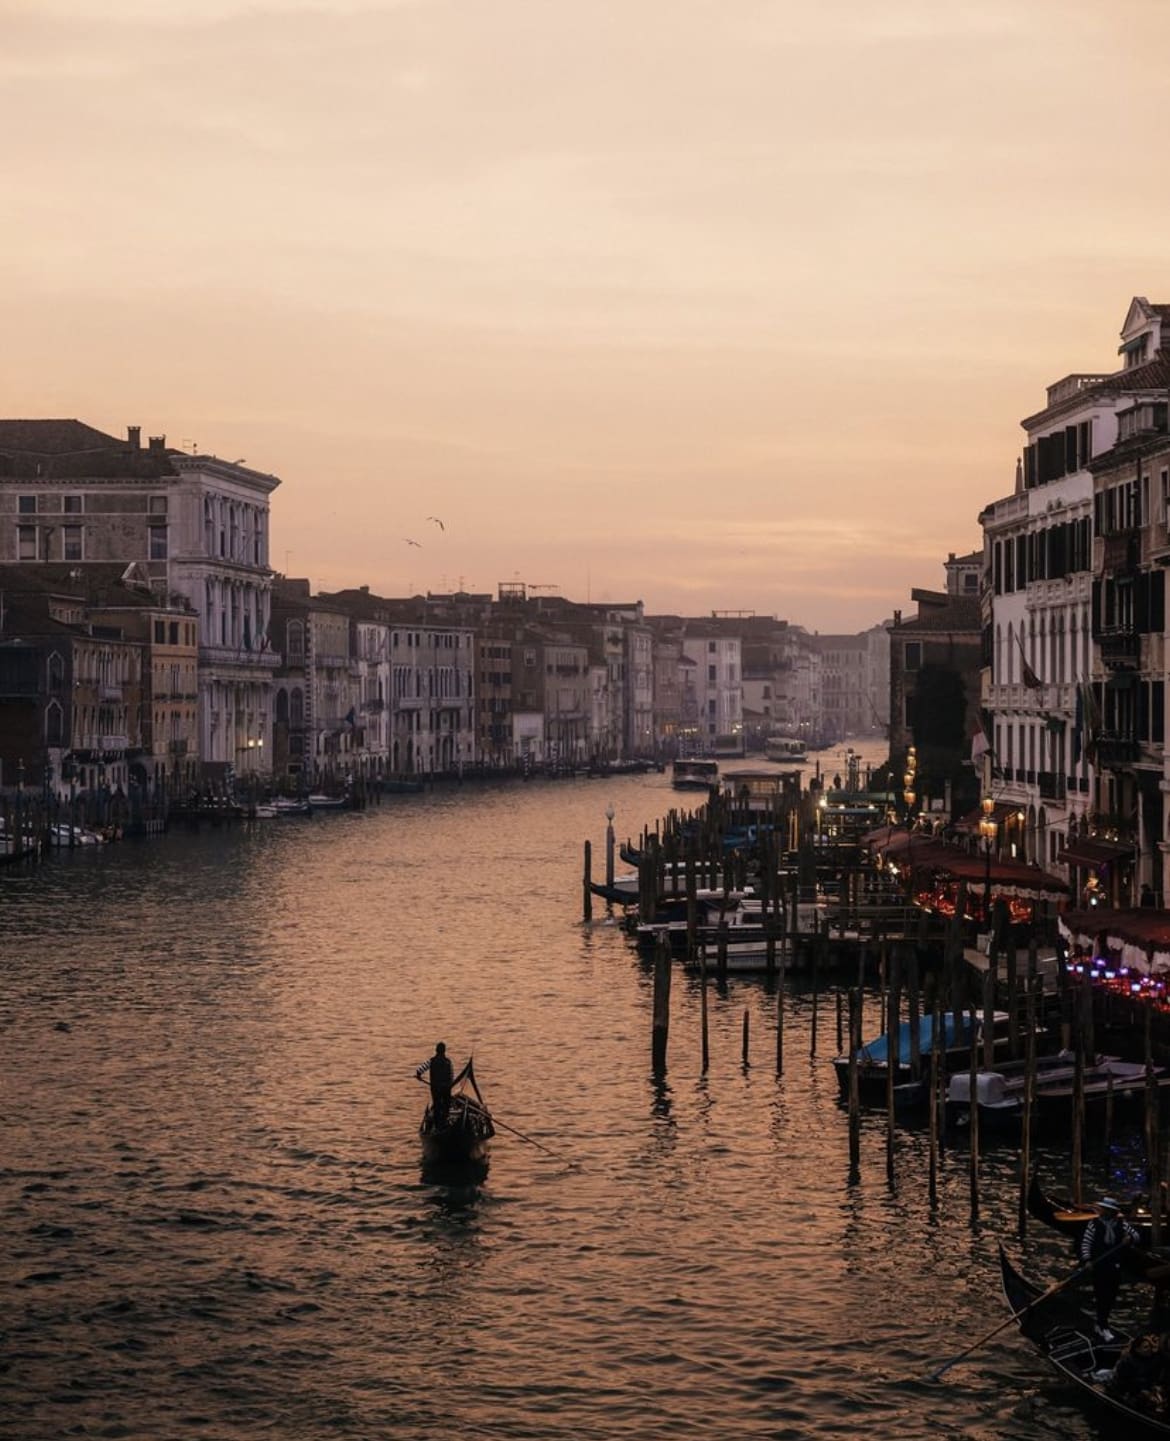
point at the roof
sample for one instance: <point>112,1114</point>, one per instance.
<point>1089,851</point>
<point>959,613</point>
<point>53,437</point>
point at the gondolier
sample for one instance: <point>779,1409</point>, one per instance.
<point>1100,1246</point>
<point>441,1075</point>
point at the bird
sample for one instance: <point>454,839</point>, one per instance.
<point>437,521</point>
<point>412,542</point>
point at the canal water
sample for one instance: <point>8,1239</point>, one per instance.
<point>213,1218</point>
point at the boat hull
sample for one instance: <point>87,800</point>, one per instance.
<point>463,1136</point>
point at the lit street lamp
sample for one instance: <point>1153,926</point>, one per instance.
<point>987,829</point>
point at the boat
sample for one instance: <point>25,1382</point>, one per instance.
<point>1063,1214</point>
<point>288,806</point>
<point>1064,1335</point>
<point>621,891</point>
<point>1000,1091</point>
<point>694,774</point>
<point>263,811</point>
<point>786,749</point>
<point>909,1090</point>
<point>65,836</point>
<point>466,1129</point>
<point>402,786</point>
<point>321,802</point>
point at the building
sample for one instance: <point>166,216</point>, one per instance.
<point>197,526</point>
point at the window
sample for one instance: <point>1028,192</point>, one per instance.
<point>711,674</point>
<point>26,504</point>
<point>71,542</point>
<point>158,542</point>
<point>71,504</point>
<point>26,542</point>
<point>160,632</point>
<point>158,505</point>
<point>913,654</point>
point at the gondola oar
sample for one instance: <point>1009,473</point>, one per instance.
<point>1078,1275</point>
<point>554,1154</point>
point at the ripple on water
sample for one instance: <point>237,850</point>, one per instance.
<point>215,1220</point>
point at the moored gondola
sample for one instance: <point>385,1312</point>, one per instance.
<point>1063,1334</point>
<point>1064,1215</point>
<point>463,1133</point>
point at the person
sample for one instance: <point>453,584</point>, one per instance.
<point>441,1076</point>
<point>1100,1247</point>
<point>1138,1376</point>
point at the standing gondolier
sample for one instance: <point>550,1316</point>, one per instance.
<point>1107,1232</point>
<point>441,1075</point>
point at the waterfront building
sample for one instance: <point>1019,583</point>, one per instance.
<point>198,527</point>
<point>161,757</point>
<point>1043,617</point>
<point>854,683</point>
<point>936,660</point>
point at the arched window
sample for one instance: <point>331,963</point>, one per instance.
<point>998,677</point>
<point>1011,655</point>
<point>54,723</point>
<point>56,674</point>
<point>295,641</point>
<point>296,708</point>
<point>282,707</point>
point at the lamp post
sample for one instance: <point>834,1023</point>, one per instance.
<point>910,797</point>
<point>987,829</point>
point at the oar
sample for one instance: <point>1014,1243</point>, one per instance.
<point>1077,1275</point>
<point>556,1157</point>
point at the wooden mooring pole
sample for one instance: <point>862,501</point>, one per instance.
<point>587,904</point>
<point>854,1094</point>
<point>661,1031</point>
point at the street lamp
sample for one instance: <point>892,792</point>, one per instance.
<point>987,829</point>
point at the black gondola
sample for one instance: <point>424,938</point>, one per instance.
<point>1065,1216</point>
<point>466,1129</point>
<point>1063,1334</point>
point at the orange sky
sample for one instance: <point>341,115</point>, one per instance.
<point>718,304</point>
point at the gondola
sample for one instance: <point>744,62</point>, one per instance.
<point>465,1130</point>
<point>1065,1216</point>
<point>1063,1334</point>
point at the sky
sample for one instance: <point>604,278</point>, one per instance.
<point>716,304</point>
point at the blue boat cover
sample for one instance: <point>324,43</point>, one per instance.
<point>956,1029</point>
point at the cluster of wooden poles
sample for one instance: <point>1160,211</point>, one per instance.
<point>959,988</point>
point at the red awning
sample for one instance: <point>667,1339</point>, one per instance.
<point>1139,938</point>
<point>1091,852</point>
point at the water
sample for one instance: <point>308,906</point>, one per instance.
<point>214,1220</point>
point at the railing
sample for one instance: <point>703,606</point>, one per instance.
<point>1117,751</point>
<point>1120,645</point>
<point>1051,785</point>
<point>113,743</point>
<point>109,692</point>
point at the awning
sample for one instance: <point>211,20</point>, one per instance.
<point>1089,851</point>
<point>1137,938</point>
<point>922,852</point>
<point>1001,813</point>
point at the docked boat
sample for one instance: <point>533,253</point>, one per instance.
<point>321,802</point>
<point>694,774</point>
<point>1063,1333</point>
<point>911,1090</point>
<point>465,1131</point>
<point>288,806</point>
<point>1000,1091</point>
<point>789,750</point>
<point>1065,1215</point>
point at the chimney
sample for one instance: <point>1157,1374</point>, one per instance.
<point>134,436</point>
<point>158,443</point>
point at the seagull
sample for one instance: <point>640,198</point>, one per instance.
<point>412,542</point>
<point>437,521</point>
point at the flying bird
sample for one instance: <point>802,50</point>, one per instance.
<point>437,521</point>
<point>412,542</point>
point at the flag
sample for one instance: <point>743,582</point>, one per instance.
<point>979,744</point>
<point>1027,674</point>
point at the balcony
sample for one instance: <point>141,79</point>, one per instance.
<point>1121,552</point>
<point>1121,647</point>
<point>113,743</point>
<point>1114,751</point>
<point>109,692</point>
<point>1051,785</point>
<point>177,747</point>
